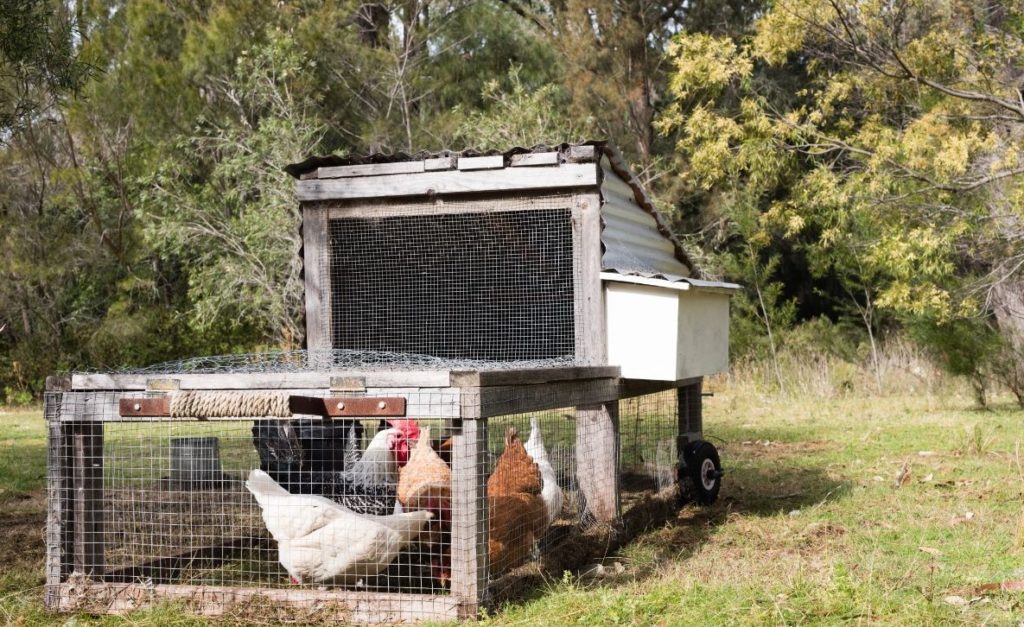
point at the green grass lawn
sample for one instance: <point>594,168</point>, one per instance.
<point>810,529</point>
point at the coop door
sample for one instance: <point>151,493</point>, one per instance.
<point>454,281</point>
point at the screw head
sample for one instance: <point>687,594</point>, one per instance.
<point>341,405</point>
<point>137,406</point>
<point>381,405</point>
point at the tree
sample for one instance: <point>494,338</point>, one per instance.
<point>909,122</point>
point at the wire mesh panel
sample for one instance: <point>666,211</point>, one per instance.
<point>272,503</point>
<point>649,430</point>
<point>449,504</point>
<point>459,280</point>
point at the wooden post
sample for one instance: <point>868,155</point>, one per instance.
<point>691,415</point>
<point>58,490</point>
<point>597,459</point>
<point>315,248</point>
<point>469,507</point>
<point>597,426</point>
<point>87,477</point>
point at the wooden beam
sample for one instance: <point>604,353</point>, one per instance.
<point>87,480</point>
<point>370,169</point>
<point>519,399</point>
<point>522,376</point>
<point>439,163</point>
<point>490,162</point>
<point>316,279</point>
<point>597,419</point>
<point>454,182</point>
<point>597,468</point>
<point>629,388</point>
<point>265,381</point>
<point>59,530</point>
<point>469,512</point>
<point>301,604</point>
<point>531,159</point>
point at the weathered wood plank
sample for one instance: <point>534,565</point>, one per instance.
<point>597,468</point>
<point>59,534</point>
<point>534,159</point>
<point>518,399</point>
<point>264,381</point>
<point>316,278</point>
<point>454,182</point>
<point>87,477</point>
<point>582,154</point>
<point>370,169</point>
<point>590,329</point>
<point>471,203</point>
<point>304,605</point>
<point>522,376</point>
<point>469,512</point>
<point>490,162</point>
<point>104,406</point>
<point>629,388</point>
<point>439,163</point>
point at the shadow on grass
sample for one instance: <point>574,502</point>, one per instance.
<point>762,484</point>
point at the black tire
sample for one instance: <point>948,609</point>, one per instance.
<point>700,476</point>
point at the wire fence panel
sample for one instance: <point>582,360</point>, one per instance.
<point>479,508</point>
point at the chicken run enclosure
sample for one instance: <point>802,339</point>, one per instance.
<point>504,353</point>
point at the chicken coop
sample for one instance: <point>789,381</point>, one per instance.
<point>504,355</point>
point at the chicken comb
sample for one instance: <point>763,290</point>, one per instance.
<point>409,428</point>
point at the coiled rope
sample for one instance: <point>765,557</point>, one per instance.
<point>192,404</point>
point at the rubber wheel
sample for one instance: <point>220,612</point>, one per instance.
<point>700,476</point>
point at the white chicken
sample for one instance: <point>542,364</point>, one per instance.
<point>322,541</point>
<point>551,494</point>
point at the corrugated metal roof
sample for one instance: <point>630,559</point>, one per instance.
<point>636,238</point>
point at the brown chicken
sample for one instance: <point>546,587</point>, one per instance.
<point>518,515</point>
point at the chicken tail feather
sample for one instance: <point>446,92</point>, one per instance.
<point>262,485</point>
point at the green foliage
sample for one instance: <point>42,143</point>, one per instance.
<point>893,166</point>
<point>519,115</point>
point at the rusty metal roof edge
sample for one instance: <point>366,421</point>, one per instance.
<point>311,163</point>
<point>618,165</point>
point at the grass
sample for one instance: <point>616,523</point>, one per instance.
<point>811,527</point>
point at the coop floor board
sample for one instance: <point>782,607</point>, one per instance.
<point>320,605</point>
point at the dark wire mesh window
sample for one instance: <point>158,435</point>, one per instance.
<point>493,286</point>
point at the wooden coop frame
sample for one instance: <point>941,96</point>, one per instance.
<point>611,219</point>
<point>75,535</point>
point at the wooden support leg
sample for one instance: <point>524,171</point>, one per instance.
<point>597,459</point>
<point>691,414</point>
<point>59,531</point>
<point>469,510</point>
<point>87,476</point>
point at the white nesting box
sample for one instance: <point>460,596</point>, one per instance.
<point>666,330</point>
<point>662,323</point>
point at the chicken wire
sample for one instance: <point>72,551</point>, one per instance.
<point>327,360</point>
<point>170,505</point>
<point>485,280</point>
